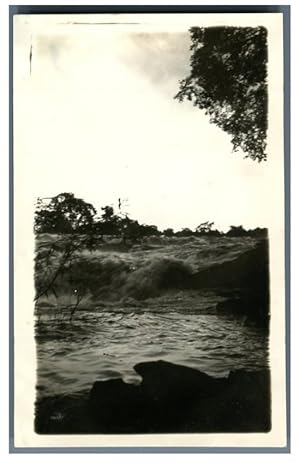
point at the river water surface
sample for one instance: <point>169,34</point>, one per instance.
<point>107,344</point>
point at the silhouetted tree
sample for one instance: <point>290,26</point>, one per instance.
<point>110,222</point>
<point>204,228</point>
<point>228,80</point>
<point>237,231</point>
<point>168,232</point>
<point>150,230</point>
<point>185,232</point>
<point>63,214</point>
<point>108,213</point>
<point>131,230</point>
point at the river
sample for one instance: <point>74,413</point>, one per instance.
<point>107,344</point>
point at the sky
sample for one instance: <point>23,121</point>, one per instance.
<point>95,115</point>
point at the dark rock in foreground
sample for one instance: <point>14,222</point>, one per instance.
<point>170,399</point>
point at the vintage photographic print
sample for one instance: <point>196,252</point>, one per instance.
<point>149,230</point>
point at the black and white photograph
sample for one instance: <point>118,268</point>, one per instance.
<point>149,229</point>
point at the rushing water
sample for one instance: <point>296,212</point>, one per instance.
<point>107,344</point>
<point>133,310</point>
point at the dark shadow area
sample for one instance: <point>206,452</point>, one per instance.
<point>170,399</point>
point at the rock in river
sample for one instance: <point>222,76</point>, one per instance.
<point>175,398</point>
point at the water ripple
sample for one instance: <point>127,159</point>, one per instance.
<point>106,345</point>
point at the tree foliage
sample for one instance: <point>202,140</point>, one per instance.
<point>236,231</point>
<point>228,80</point>
<point>109,224</point>
<point>76,221</point>
<point>63,214</point>
<point>185,232</point>
<point>204,228</point>
<point>168,232</point>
